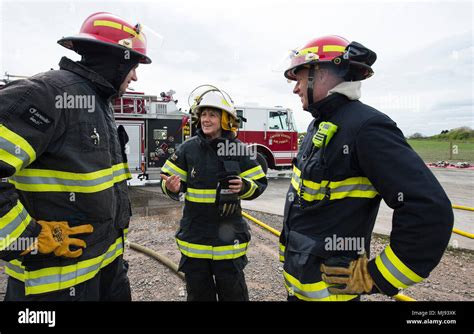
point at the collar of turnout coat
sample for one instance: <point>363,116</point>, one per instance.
<point>102,86</point>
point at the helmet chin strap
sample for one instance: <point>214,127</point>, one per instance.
<point>310,89</point>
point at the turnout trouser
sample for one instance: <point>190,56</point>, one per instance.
<point>110,284</point>
<point>212,280</point>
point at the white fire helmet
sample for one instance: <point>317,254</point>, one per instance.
<point>212,97</point>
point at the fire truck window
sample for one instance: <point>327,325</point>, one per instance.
<point>240,114</point>
<point>278,120</point>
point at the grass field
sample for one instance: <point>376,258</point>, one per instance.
<point>432,150</point>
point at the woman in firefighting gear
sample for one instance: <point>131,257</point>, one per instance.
<point>213,237</point>
<point>64,212</point>
<point>352,157</point>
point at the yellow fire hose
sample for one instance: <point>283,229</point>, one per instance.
<point>461,207</point>
<point>463,233</point>
<point>398,297</point>
<point>258,222</point>
<point>163,259</point>
<point>458,231</point>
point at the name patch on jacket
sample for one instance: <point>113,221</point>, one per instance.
<point>37,119</point>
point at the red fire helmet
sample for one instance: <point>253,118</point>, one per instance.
<point>110,30</point>
<point>319,50</point>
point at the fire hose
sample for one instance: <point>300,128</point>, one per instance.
<point>458,231</point>
<point>163,259</point>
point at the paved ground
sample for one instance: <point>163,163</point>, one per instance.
<point>458,184</point>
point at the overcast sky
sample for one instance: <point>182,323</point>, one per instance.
<point>423,74</point>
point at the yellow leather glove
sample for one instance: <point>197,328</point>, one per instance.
<point>349,277</point>
<point>55,237</point>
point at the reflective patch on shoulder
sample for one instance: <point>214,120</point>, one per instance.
<point>174,157</point>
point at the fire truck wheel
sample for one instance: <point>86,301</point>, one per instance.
<point>263,162</point>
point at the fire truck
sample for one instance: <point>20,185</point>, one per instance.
<point>155,127</point>
<point>273,131</point>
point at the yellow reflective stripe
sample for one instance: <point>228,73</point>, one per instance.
<point>42,180</point>
<point>15,269</point>
<point>124,166</point>
<point>201,195</point>
<point>115,25</point>
<point>163,187</point>
<point>254,173</point>
<point>11,157</point>
<point>15,221</point>
<point>303,52</point>
<point>296,171</point>
<point>134,33</point>
<point>354,186</point>
<point>333,48</point>
<point>282,252</point>
<point>312,291</point>
<point>394,270</point>
<point>105,23</point>
<point>114,251</point>
<point>251,191</point>
<point>212,252</point>
<point>172,169</point>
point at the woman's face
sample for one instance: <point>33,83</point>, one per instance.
<point>211,122</point>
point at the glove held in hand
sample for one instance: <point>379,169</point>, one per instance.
<point>349,278</point>
<point>55,237</point>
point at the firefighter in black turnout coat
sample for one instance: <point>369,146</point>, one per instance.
<point>352,157</point>
<point>215,171</point>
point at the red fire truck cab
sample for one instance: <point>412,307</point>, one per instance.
<point>273,131</point>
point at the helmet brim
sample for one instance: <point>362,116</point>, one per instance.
<point>83,42</point>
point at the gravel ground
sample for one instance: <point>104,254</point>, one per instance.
<point>450,280</point>
<point>156,220</point>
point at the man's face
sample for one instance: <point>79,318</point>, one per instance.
<point>301,86</point>
<point>321,85</point>
<point>132,76</point>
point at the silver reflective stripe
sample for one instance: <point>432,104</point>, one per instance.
<point>168,168</point>
<point>120,172</point>
<point>345,188</point>
<point>212,252</point>
<point>351,187</point>
<point>60,181</point>
<point>14,268</point>
<point>10,227</point>
<point>309,294</point>
<point>15,150</point>
<point>296,177</point>
<point>193,194</point>
<point>66,277</point>
<point>251,175</point>
<point>394,271</point>
<point>311,191</point>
